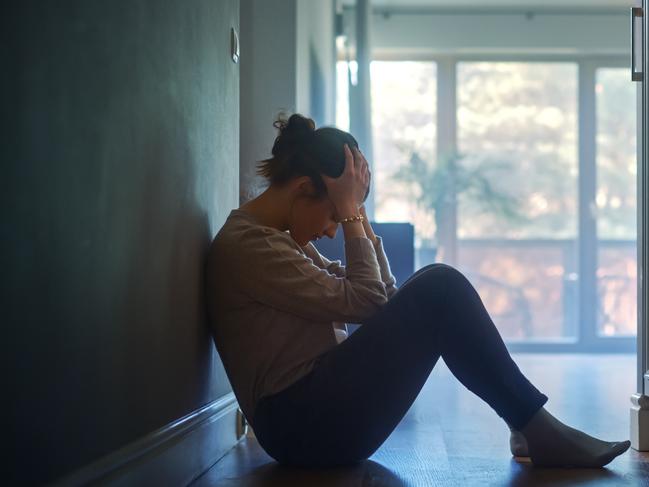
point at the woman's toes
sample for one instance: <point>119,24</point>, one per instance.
<point>579,456</point>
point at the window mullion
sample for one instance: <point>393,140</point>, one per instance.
<point>587,227</point>
<point>447,137</point>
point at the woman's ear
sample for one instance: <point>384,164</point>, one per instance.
<point>304,186</point>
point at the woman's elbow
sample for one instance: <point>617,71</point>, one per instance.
<point>366,301</point>
<point>375,301</point>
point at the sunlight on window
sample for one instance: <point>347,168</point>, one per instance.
<point>518,123</point>
<point>616,203</point>
<point>517,127</point>
<point>404,121</point>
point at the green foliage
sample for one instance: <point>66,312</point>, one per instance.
<point>436,186</point>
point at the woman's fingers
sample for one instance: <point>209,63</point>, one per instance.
<point>360,163</point>
<point>349,159</point>
<point>352,185</point>
<point>365,169</point>
<point>349,164</point>
<point>362,158</point>
<point>358,158</point>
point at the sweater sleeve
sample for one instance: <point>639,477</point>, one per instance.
<point>333,266</point>
<point>336,267</point>
<point>273,270</point>
<point>386,273</point>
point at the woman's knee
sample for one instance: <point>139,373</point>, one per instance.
<point>440,272</point>
<point>437,283</point>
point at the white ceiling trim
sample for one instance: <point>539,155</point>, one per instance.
<point>501,4</point>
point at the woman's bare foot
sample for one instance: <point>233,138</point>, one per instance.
<point>553,443</point>
<point>518,444</point>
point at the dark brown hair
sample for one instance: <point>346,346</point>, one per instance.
<point>302,150</point>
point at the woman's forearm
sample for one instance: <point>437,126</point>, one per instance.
<point>386,274</point>
<point>366,225</point>
<point>368,231</point>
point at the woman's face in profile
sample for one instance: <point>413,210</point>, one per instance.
<point>312,220</point>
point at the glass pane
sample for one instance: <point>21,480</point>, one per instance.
<point>524,286</point>
<point>616,202</point>
<point>404,99</point>
<point>517,197</point>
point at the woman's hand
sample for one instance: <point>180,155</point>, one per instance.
<point>348,191</point>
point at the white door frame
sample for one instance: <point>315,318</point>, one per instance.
<point>640,400</point>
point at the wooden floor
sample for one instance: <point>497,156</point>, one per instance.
<point>450,437</point>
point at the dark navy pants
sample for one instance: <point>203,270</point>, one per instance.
<point>358,391</point>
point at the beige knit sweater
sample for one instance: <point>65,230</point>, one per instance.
<point>274,305</point>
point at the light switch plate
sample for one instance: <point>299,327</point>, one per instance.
<point>234,45</point>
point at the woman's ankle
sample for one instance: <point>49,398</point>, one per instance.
<point>539,421</point>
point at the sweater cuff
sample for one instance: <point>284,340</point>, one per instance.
<point>384,265</point>
<point>361,258</point>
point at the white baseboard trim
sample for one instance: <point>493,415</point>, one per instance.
<point>640,422</point>
<point>173,455</point>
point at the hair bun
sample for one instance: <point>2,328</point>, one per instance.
<point>296,127</point>
<point>293,132</point>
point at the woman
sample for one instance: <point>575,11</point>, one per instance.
<point>276,303</point>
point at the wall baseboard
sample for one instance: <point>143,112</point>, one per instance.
<point>640,422</point>
<point>173,455</point>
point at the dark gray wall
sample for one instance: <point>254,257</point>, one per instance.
<point>119,164</point>
<point>268,82</point>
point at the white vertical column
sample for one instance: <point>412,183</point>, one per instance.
<point>587,212</point>
<point>360,96</point>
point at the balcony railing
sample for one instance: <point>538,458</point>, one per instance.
<point>531,290</point>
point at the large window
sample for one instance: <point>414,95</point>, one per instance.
<point>517,171</point>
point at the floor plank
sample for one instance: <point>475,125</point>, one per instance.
<point>450,437</point>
